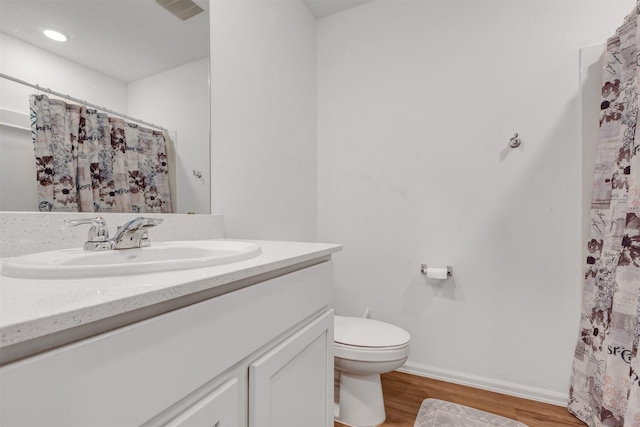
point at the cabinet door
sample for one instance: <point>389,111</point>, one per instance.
<point>292,385</point>
<point>217,409</point>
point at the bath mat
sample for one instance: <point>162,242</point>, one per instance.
<point>438,413</point>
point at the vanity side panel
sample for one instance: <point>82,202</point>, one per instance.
<point>129,375</point>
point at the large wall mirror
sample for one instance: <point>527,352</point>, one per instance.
<point>136,57</point>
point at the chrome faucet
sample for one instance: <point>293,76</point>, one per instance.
<point>133,234</point>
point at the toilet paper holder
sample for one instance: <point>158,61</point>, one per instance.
<point>423,269</point>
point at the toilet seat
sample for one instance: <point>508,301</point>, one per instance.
<point>369,340</point>
<point>368,333</point>
<point>371,354</point>
<point>370,349</point>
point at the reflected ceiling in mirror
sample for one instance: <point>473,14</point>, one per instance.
<point>131,42</point>
<point>127,40</point>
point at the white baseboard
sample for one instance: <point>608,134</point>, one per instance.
<point>511,389</point>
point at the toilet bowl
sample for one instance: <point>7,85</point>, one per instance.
<point>364,349</point>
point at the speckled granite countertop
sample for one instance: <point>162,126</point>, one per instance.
<point>34,309</point>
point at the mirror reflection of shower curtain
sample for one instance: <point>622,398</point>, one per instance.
<point>87,161</point>
<point>605,383</point>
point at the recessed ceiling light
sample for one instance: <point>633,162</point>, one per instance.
<point>55,35</point>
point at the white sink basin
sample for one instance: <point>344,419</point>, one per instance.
<point>161,256</point>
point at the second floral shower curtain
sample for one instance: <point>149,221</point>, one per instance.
<point>87,161</point>
<point>605,384</point>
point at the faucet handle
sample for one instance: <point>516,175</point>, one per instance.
<point>98,238</point>
<point>134,234</point>
<point>140,222</point>
<point>151,222</point>
<point>146,223</point>
<point>80,221</point>
<point>98,231</point>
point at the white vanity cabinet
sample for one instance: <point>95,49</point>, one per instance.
<point>257,356</point>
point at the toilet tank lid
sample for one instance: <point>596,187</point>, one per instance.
<point>363,332</point>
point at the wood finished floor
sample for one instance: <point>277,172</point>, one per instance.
<point>404,393</point>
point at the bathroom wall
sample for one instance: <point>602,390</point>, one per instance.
<point>263,94</point>
<point>416,103</point>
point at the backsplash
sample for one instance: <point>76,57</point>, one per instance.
<point>27,232</point>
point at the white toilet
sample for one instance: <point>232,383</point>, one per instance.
<point>364,349</point>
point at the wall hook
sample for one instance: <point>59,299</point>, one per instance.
<point>515,141</point>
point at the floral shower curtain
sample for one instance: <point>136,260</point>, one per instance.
<point>605,384</point>
<point>87,161</point>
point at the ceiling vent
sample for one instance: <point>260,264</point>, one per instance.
<point>183,9</point>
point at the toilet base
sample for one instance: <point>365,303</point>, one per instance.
<point>361,403</point>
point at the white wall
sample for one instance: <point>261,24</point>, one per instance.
<point>417,101</point>
<point>178,100</point>
<point>263,89</point>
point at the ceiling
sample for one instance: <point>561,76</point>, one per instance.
<point>323,8</point>
<point>127,40</point>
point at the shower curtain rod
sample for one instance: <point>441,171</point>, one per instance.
<point>80,101</point>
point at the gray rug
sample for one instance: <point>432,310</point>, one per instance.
<point>438,413</point>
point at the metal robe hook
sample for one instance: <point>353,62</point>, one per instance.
<point>515,141</point>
